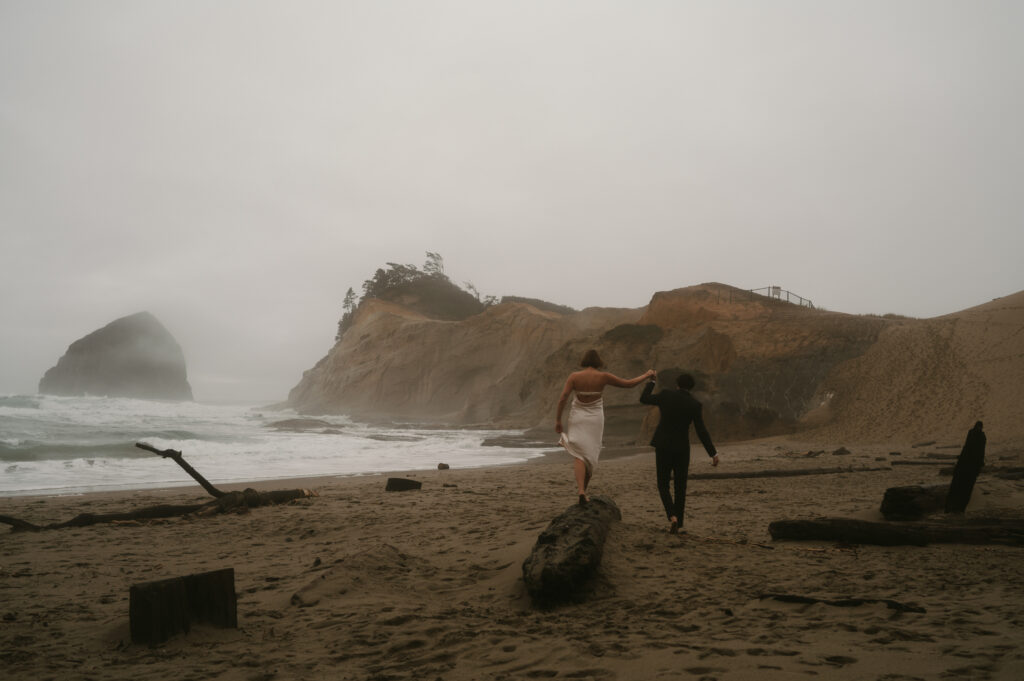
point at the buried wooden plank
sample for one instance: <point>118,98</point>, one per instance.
<point>843,602</point>
<point>784,473</point>
<point>1004,531</point>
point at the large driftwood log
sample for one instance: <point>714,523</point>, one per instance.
<point>783,473</point>
<point>222,503</point>
<point>158,610</point>
<point>1008,532</point>
<point>913,502</point>
<point>231,501</point>
<point>1002,472</point>
<point>568,552</point>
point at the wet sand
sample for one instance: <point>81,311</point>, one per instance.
<point>427,584</point>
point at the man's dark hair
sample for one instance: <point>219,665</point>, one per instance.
<point>685,381</point>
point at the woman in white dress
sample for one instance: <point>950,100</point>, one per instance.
<point>585,431</point>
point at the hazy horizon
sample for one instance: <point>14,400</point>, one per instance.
<point>234,168</point>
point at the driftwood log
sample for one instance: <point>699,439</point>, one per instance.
<point>158,610</point>
<point>920,462</point>
<point>783,473</point>
<point>1008,532</point>
<point>568,552</point>
<point>913,502</point>
<point>223,502</point>
<point>1002,472</point>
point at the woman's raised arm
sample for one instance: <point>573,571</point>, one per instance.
<point>612,379</point>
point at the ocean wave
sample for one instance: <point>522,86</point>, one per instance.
<point>19,401</point>
<point>38,451</point>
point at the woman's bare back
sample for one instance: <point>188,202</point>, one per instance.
<point>588,384</point>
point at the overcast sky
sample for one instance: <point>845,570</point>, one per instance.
<point>234,166</point>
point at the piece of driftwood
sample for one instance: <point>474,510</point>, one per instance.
<point>843,602</point>
<point>913,502</point>
<point>402,485</point>
<point>1002,472</point>
<point>1009,473</point>
<point>568,552</point>
<point>158,610</point>
<point>175,456</point>
<point>222,503</point>
<point>783,473</point>
<point>917,462</point>
<point>965,472</point>
<point>1008,532</point>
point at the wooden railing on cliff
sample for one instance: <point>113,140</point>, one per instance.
<point>779,293</point>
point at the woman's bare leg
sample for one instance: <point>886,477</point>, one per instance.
<point>582,476</point>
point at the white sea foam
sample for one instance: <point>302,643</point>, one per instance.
<point>67,445</point>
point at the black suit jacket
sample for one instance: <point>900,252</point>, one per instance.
<point>678,410</point>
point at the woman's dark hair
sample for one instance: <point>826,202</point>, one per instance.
<point>685,381</point>
<point>591,359</point>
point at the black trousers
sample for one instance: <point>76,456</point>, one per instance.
<point>674,464</point>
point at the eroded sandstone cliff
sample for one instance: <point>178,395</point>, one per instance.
<point>759,362</point>
<point>763,366</point>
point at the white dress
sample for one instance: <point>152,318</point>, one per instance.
<point>584,433</point>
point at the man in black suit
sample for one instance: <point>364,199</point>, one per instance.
<point>671,442</point>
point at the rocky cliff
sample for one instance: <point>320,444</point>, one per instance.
<point>763,366</point>
<point>134,356</point>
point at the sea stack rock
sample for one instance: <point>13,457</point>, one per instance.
<point>134,356</point>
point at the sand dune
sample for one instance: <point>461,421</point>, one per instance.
<point>931,378</point>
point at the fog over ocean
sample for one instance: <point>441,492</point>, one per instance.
<point>72,445</point>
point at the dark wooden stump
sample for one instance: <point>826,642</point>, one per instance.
<point>158,610</point>
<point>402,485</point>
<point>913,502</point>
<point>568,552</point>
<point>965,472</point>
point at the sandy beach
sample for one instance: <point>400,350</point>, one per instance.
<point>358,583</point>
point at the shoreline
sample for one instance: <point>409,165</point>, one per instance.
<point>549,456</point>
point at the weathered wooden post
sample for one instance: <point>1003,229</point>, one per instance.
<point>965,472</point>
<point>158,610</point>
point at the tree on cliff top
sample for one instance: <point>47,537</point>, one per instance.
<point>428,291</point>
